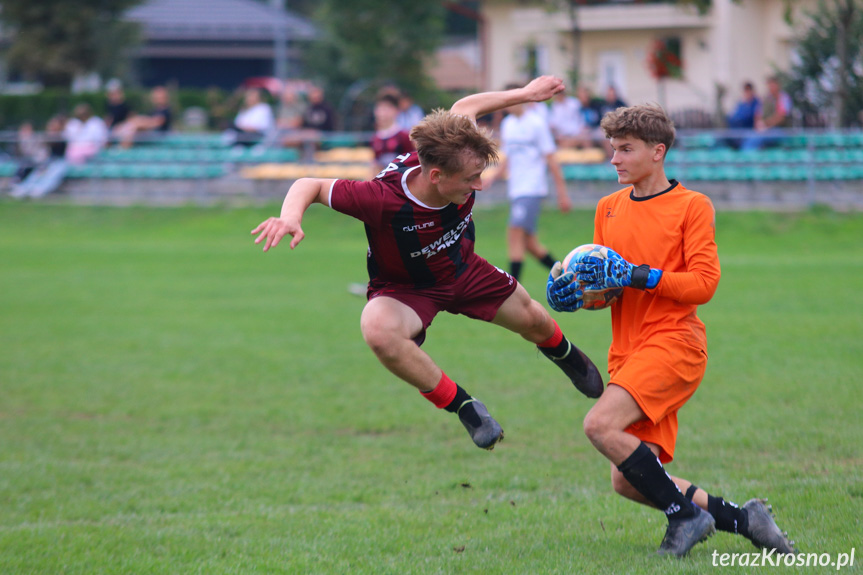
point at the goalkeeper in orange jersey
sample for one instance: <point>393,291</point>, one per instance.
<point>663,251</point>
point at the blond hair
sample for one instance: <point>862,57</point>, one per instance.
<point>646,122</point>
<point>442,138</point>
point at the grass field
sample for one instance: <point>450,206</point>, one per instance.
<point>172,400</point>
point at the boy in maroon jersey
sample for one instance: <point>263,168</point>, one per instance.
<point>418,219</point>
<point>389,140</point>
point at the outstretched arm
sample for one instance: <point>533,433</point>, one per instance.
<point>302,194</point>
<point>477,105</point>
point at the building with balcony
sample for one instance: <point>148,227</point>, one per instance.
<point>611,42</point>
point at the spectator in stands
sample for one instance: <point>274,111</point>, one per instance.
<point>291,110</point>
<point>85,135</point>
<point>775,109</point>
<point>254,122</point>
<point>410,114</point>
<point>390,140</point>
<point>566,120</point>
<point>118,108</point>
<point>47,176</point>
<point>589,108</point>
<point>772,116</point>
<point>319,115</point>
<point>219,109</point>
<point>743,115</point>
<point>612,101</point>
<point>289,118</point>
<point>30,151</point>
<point>158,122</point>
<point>55,136</point>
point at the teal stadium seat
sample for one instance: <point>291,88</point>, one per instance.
<point>696,141</point>
<point>588,172</point>
<point>828,155</point>
<point>8,169</point>
<point>192,141</point>
<point>830,172</point>
<point>725,155</point>
<point>701,172</point>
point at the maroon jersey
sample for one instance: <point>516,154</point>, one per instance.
<point>388,145</point>
<point>409,243</point>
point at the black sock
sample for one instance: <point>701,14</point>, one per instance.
<point>566,352</point>
<point>644,472</point>
<point>728,516</point>
<point>460,397</point>
<point>468,413</point>
<point>547,261</point>
<point>560,350</point>
<point>690,493</point>
<point>515,269</point>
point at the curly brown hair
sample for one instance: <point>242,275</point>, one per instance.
<point>442,138</point>
<point>647,122</point>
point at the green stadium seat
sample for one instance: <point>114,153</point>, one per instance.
<point>797,155</point>
<point>774,155</point>
<point>673,157</point>
<point>698,173</point>
<point>214,171</point>
<point>724,155</point>
<point>855,171</point>
<point>193,141</point>
<point>110,171</point>
<point>749,157</point>
<point>854,139</point>
<point>828,155</point>
<point>8,169</point>
<point>699,156</point>
<point>732,172</point>
<point>695,141</point>
<point>796,141</point>
<point>830,172</point>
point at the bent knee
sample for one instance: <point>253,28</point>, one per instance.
<point>384,334</point>
<point>379,337</point>
<point>595,426</point>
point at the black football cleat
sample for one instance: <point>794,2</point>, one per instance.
<point>763,531</point>
<point>683,534</point>
<point>580,370</point>
<point>483,429</point>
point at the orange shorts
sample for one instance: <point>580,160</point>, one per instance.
<point>661,377</point>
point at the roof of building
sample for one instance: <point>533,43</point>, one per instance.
<point>225,20</point>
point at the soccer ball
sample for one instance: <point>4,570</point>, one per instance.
<point>593,299</point>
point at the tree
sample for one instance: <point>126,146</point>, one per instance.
<point>55,40</point>
<point>375,42</point>
<point>828,68</point>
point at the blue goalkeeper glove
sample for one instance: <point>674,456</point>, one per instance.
<point>562,293</point>
<point>614,272</point>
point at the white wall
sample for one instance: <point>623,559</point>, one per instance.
<point>733,43</point>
